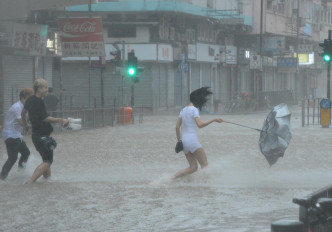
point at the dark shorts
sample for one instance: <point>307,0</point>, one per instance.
<point>47,155</point>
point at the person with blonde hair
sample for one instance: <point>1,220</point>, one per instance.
<point>189,119</point>
<point>41,128</point>
<point>12,134</point>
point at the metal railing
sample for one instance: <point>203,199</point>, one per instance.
<point>102,117</point>
<point>310,111</point>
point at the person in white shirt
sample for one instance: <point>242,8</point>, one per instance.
<point>12,134</point>
<point>189,119</point>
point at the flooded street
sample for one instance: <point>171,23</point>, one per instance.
<point>116,179</point>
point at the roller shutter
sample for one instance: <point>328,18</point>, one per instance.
<point>17,74</point>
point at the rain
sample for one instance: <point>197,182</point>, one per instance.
<point>118,179</point>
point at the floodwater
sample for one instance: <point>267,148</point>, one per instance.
<point>117,179</point>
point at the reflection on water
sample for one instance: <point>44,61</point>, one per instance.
<point>117,179</point>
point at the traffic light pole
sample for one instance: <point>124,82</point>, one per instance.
<point>123,65</point>
<point>328,72</point>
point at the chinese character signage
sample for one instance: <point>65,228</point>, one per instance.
<point>231,55</point>
<point>30,36</point>
<point>81,37</point>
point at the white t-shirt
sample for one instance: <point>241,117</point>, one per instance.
<point>189,135</point>
<point>188,115</point>
<point>12,128</point>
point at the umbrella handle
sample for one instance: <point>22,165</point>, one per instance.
<point>243,126</point>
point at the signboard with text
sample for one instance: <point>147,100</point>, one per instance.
<point>165,52</point>
<point>81,37</point>
<point>231,54</point>
<point>30,36</point>
<point>207,52</point>
<point>255,62</point>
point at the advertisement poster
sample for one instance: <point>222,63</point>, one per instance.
<point>81,37</point>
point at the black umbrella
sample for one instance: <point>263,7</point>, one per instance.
<point>275,134</point>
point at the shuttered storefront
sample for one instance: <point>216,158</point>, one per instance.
<point>45,67</point>
<point>206,75</point>
<point>17,74</point>
<point>78,81</point>
<point>159,73</point>
<point>178,86</point>
<point>195,77</point>
<point>81,87</point>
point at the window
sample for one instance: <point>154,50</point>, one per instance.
<point>121,31</point>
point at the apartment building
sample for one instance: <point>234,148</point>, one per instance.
<point>265,48</point>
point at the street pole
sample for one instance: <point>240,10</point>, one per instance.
<point>261,36</point>
<point>328,72</point>
<point>297,45</point>
<point>256,79</point>
<point>123,67</point>
<point>89,73</point>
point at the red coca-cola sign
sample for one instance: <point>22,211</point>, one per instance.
<point>81,37</point>
<point>80,29</point>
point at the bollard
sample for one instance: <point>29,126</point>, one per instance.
<point>287,226</point>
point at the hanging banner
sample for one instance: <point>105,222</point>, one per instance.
<point>30,36</point>
<point>81,37</point>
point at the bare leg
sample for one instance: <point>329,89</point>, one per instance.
<point>43,169</point>
<point>192,167</point>
<point>47,174</point>
<point>200,155</point>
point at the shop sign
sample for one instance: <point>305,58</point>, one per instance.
<point>81,37</point>
<point>165,52</point>
<point>191,51</point>
<point>207,52</point>
<point>231,55</point>
<point>287,62</point>
<point>30,36</point>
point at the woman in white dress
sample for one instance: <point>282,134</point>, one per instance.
<point>189,119</point>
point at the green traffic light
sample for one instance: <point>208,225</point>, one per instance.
<point>131,71</point>
<point>327,57</point>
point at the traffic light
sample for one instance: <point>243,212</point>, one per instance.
<point>327,50</point>
<point>131,68</point>
<point>116,57</point>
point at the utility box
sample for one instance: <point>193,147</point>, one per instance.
<point>325,112</point>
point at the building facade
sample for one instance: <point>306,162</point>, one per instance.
<point>264,48</point>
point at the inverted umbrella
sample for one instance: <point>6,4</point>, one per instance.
<point>275,134</point>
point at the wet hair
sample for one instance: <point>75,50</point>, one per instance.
<point>39,83</point>
<point>25,93</point>
<point>200,96</point>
